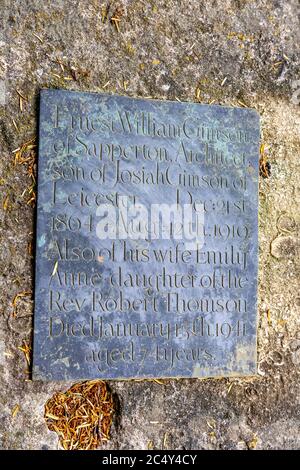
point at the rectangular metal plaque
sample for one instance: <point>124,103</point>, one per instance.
<point>146,254</point>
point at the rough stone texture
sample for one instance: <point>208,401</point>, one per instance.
<point>165,49</point>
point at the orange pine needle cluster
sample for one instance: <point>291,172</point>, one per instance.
<point>81,416</point>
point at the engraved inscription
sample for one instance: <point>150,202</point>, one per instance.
<point>146,261</point>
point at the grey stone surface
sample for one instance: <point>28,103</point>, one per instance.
<point>255,46</point>
<point>175,299</point>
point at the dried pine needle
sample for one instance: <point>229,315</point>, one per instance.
<point>264,164</point>
<point>150,445</point>
<point>116,17</point>
<point>116,21</point>
<point>241,103</point>
<point>60,63</point>
<point>81,416</point>
<point>21,99</point>
<point>15,125</point>
<point>26,349</point>
<point>38,37</point>
<point>21,95</point>
<point>15,410</point>
<point>211,424</point>
<point>253,443</point>
<point>8,354</point>
<point>55,269</point>
<point>6,202</point>
<point>26,155</point>
<point>16,298</point>
<point>269,317</point>
<point>104,13</point>
<point>19,295</point>
<point>159,382</point>
<point>165,440</point>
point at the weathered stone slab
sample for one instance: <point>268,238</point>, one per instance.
<point>175,302</point>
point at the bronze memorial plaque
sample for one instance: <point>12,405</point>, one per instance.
<point>147,238</point>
